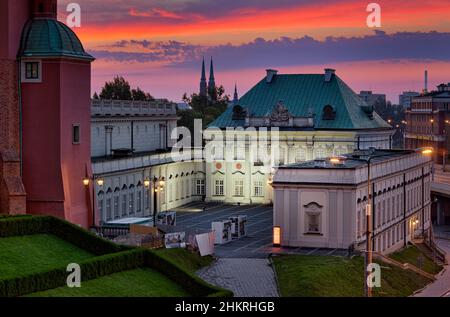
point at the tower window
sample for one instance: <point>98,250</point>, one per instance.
<point>32,70</point>
<point>76,134</point>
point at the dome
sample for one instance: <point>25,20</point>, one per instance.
<point>50,38</point>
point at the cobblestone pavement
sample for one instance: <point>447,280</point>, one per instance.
<point>245,277</point>
<point>440,287</point>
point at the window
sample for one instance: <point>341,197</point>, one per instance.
<point>219,187</point>
<point>116,207</point>
<point>108,210</point>
<point>301,155</point>
<point>76,134</point>
<point>258,189</point>
<point>313,218</point>
<point>101,202</point>
<point>200,187</point>
<point>313,223</point>
<point>131,203</point>
<point>124,205</point>
<point>188,189</point>
<point>239,188</point>
<point>32,70</point>
<point>139,200</point>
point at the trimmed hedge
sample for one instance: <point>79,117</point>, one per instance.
<point>90,269</point>
<point>196,286</point>
<point>111,259</point>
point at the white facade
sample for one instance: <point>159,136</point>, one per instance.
<point>143,129</point>
<point>291,147</point>
<point>319,205</point>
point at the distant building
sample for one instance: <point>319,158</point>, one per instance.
<point>321,205</point>
<point>371,99</point>
<point>405,99</point>
<point>208,90</point>
<point>428,121</point>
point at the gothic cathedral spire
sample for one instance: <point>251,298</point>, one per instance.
<point>212,82</point>
<point>203,85</point>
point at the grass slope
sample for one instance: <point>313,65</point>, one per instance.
<point>35,253</point>
<point>135,283</point>
<point>316,276</point>
<point>411,255</point>
<point>191,262</point>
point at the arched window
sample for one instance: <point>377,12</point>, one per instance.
<point>131,200</point>
<point>116,203</point>
<point>313,218</point>
<point>108,205</point>
<point>101,202</point>
<point>139,198</point>
<point>124,201</point>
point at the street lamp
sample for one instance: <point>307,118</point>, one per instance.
<point>338,160</point>
<point>158,186</point>
<point>86,182</point>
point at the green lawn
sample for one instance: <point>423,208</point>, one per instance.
<point>411,255</point>
<point>191,262</point>
<point>135,283</point>
<point>316,276</point>
<point>36,253</point>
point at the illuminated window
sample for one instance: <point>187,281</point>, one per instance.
<point>32,70</point>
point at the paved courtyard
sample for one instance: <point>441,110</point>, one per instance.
<point>258,243</point>
<point>245,277</point>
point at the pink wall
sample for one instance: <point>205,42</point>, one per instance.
<point>53,167</point>
<point>14,15</point>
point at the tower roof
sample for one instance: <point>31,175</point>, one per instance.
<point>203,70</point>
<point>211,70</point>
<point>47,37</point>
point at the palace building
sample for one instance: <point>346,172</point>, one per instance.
<point>315,116</point>
<point>321,204</point>
<point>45,113</point>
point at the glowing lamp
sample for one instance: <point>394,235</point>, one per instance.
<point>147,183</point>
<point>100,182</point>
<point>277,236</point>
<point>86,181</point>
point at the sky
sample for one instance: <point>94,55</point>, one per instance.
<point>158,45</point>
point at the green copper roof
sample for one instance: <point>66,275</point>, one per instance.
<point>50,38</point>
<point>303,96</point>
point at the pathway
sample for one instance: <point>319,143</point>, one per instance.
<point>245,277</point>
<point>441,287</point>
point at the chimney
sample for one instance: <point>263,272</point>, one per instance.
<point>426,82</point>
<point>329,72</point>
<point>271,73</point>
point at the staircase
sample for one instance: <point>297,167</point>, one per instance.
<point>430,251</point>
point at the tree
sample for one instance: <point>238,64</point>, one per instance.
<point>95,96</point>
<point>118,89</point>
<point>139,95</point>
<point>203,108</point>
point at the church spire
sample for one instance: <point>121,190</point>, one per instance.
<point>212,82</point>
<point>236,96</point>
<point>203,85</point>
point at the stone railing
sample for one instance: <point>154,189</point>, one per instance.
<point>132,108</point>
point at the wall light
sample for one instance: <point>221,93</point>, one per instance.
<point>277,236</point>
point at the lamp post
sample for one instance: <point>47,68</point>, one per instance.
<point>158,186</point>
<point>369,230</point>
<point>86,182</point>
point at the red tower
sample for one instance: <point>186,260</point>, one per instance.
<point>54,77</point>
